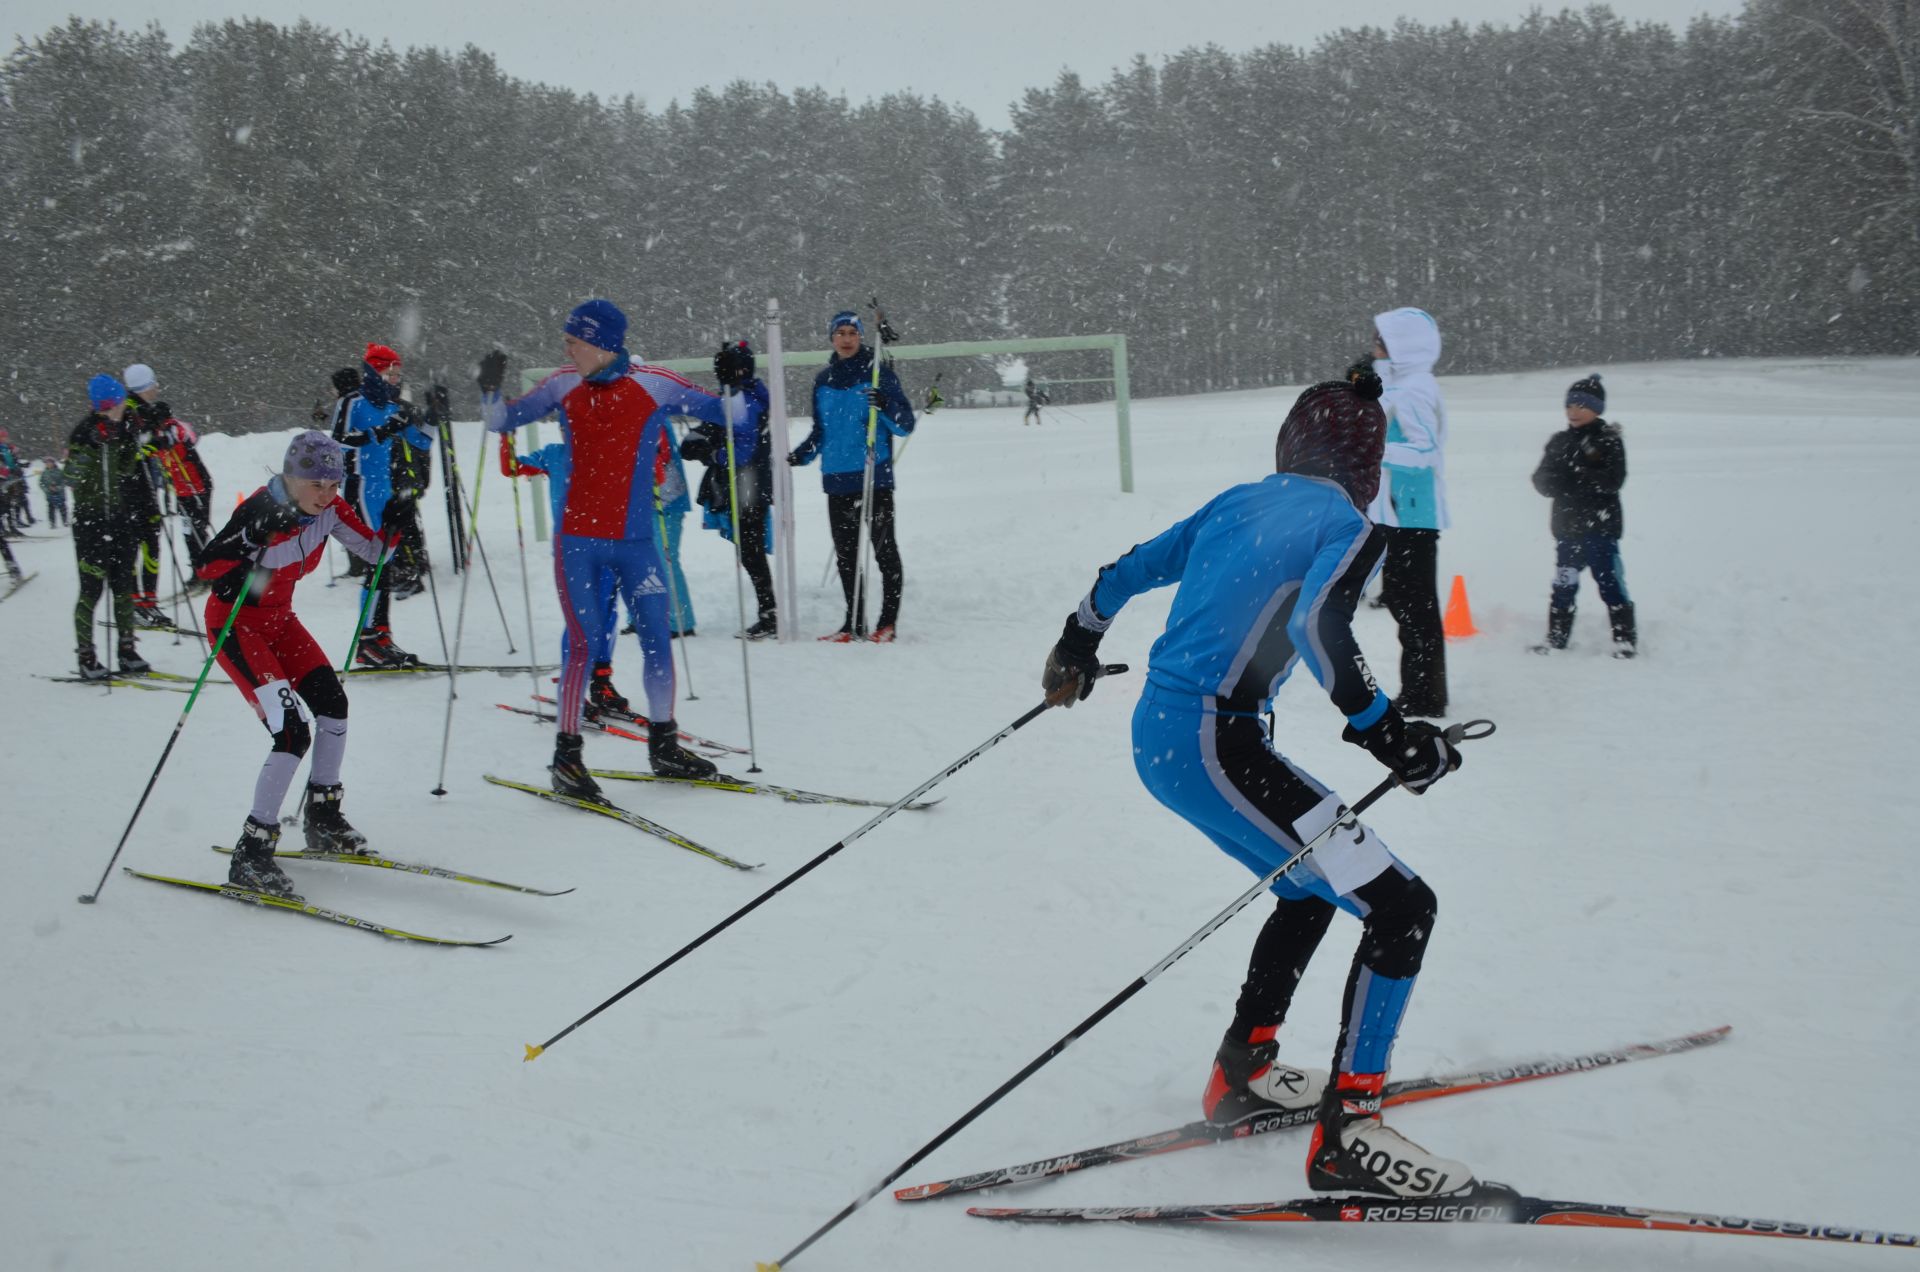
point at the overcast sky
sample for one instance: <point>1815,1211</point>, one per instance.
<point>980,54</point>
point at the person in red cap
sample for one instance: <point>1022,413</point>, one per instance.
<point>366,421</point>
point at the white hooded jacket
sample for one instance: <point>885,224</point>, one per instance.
<point>1413,479</point>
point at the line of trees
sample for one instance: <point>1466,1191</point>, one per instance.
<point>246,210</point>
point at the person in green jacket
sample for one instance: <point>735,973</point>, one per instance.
<point>111,498</point>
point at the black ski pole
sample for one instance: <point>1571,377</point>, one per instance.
<point>1470,730</point>
<point>88,898</point>
<point>487,567</point>
<point>535,1051</point>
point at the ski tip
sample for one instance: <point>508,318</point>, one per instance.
<point>534,1052</point>
<point>767,1267</point>
<point>918,1192</point>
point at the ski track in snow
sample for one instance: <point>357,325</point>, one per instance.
<point>1716,833</point>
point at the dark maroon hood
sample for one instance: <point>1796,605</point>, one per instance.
<point>1337,431</point>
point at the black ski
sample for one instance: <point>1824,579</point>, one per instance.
<point>725,783</point>
<point>1484,1202</point>
<point>404,867</point>
<point>267,902</point>
<point>623,815</point>
<point>15,584</point>
<point>1407,1091</point>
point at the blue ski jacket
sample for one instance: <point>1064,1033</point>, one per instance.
<point>839,436</point>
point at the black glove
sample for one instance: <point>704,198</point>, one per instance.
<point>1416,750</point>
<point>877,399</point>
<point>733,365</point>
<point>269,517</point>
<point>1073,665</point>
<point>493,372</point>
<point>439,407</point>
<point>702,447</point>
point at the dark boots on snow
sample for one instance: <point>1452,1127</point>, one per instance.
<point>1626,637</point>
<point>90,665</point>
<point>327,829</point>
<point>569,769</point>
<point>129,661</point>
<point>1559,630</point>
<point>602,696</point>
<point>253,867</point>
<point>670,759</point>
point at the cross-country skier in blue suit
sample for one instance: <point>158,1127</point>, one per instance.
<point>1268,575</point>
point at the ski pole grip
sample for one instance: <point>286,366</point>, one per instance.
<point>1114,669</point>
<point>1469,731</point>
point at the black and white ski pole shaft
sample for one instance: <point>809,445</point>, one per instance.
<point>740,581</point>
<point>520,538</point>
<point>460,613</point>
<point>535,1051</point>
<point>88,898</point>
<point>1470,730</point>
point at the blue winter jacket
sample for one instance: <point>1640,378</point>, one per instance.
<point>373,457</point>
<point>839,436</point>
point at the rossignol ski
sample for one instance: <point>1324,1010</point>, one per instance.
<point>601,726</point>
<point>629,717</point>
<point>264,901</point>
<point>404,867</point>
<point>1202,1133</point>
<point>791,794</point>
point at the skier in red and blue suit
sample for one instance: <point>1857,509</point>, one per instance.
<point>613,417</point>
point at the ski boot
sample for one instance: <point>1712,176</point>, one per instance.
<point>766,629</point>
<point>1626,638</point>
<point>329,831</point>
<point>253,867</point>
<point>378,651</point>
<point>602,696</point>
<point>1559,629</point>
<point>569,769</point>
<point>90,667</point>
<point>670,759</point>
<point>1248,1080</point>
<point>129,661</point>
<point>148,614</point>
<point>1353,1151</point>
<point>883,634</point>
<point>842,637</point>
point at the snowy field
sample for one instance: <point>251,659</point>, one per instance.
<point>1718,833</point>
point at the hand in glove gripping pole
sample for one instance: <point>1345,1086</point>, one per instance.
<point>1419,752</point>
<point>1072,665</point>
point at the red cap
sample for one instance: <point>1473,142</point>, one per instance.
<point>381,358</point>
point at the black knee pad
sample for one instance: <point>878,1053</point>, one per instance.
<point>324,694</point>
<point>1400,917</point>
<point>294,736</point>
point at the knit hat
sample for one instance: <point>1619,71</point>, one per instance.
<point>1589,393</point>
<point>345,381</point>
<point>314,456</point>
<point>139,378</point>
<point>600,323</point>
<point>1337,430</point>
<point>846,318</point>
<point>105,392</point>
<point>381,358</point>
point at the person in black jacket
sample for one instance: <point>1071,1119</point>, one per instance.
<point>1582,471</point>
<point>750,480</point>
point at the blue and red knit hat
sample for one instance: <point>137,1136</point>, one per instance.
<point>600,323</point>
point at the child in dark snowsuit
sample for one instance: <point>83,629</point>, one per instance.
<point>1582,471</point>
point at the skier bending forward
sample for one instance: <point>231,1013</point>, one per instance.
<point>1269,572</point>
<point>272,658</point>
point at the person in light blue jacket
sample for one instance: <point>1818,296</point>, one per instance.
<point>1412,503</point>
<point>843,393</point>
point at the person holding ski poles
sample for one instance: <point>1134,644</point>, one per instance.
<point>111,502</point>
<point>749,479</point>
<point>367,419</point>
<point>614,420</point>
<point>1268,573</point>
<point>174,447</point>
<point>274,539</point>
<point>844,399</point>
<point>1036,398</point>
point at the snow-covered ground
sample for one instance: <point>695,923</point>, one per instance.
<point>1717,833</point>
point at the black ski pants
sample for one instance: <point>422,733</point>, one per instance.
<point>843,517</point>
<point>105,552</point>
<point>1410,586</point>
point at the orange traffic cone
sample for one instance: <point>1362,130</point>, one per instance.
<point>1459,620</point>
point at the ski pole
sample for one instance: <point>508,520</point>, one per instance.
<point>534,1052</point>
<point>520,537</point>
<point>739,585</point>
<point>1349,818</point>
<point>460,614</point>
<point>88,898</point>
<point>673,595</point>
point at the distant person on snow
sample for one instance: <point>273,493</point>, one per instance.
<point>750,480</point>
<point>1269,572</point>
<point>1582,470</point>
<point>366,420</point>
<point>53,485</point>
<point>274,539</point>
<point>1412,502</point>
<point>1036,398</point>
<point>112,501</point>
<point>614,420</point>
<point>843,400</point>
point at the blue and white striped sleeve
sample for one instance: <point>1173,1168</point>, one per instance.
<point>1321,626</point>
<point>1156,563</point>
